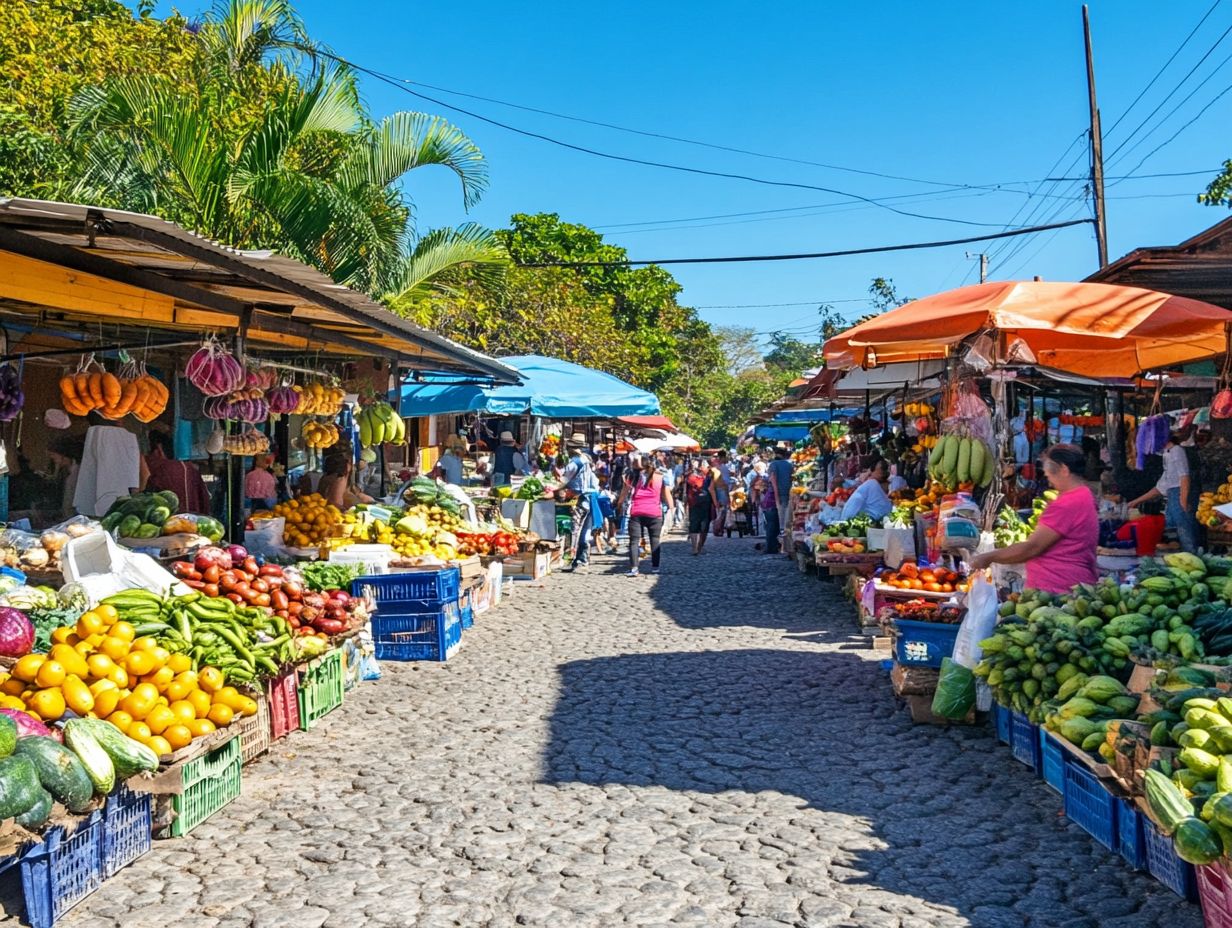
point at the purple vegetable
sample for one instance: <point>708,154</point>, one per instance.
<point>30,727</point>
<point>237,552</point>
<point>16,632</point>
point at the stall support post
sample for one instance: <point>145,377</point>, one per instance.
<point>282,440</point>
<point>235,463</point>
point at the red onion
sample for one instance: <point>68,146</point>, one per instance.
<point>213,370</point>
<point>16,632</point>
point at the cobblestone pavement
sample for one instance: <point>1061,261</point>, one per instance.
<point>712,747</point>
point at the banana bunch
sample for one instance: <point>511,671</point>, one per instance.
<point>379,424</point>
<point>247,444</point>
<point>320,434</point>
<point>915,410</point>
<point>319,399</point>
<point>925,443</point>
<point>956,461</point>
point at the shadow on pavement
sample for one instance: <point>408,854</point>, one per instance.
<point>943,815</point>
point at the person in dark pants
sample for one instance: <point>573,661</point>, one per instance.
<point>648,494</point>
<point>699,498</point>
<point>766,501</point>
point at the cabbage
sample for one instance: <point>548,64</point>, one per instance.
<point>16,633</point>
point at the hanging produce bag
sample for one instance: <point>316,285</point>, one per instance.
<point>955,694</point>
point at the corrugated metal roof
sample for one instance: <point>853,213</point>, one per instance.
<point>291,296</point>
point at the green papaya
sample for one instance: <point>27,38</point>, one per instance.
<point>1201,762</point>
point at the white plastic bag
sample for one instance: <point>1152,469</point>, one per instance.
<point>978,623</point>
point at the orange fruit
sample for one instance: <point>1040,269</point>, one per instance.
<point>105,703</point>
<point>123,631</point>
<point>120,719</point>
<point>47,704</point>
<point>209,679</point>
<point>119,676</point>
<point>115,648</point>
<point>178,736</point>
<point>180,663</point>
<point>160,719</point>
<point>201,702</point>
<point>145,643</point>
<point>201,727</point>
<point>27,667</point>
<point>140,663</point>
<point>184,711</point>
<point>100,665</point>
<point>159,745</point>
<point>220,714</point>
<point>50,673</point>
<point>139,731</point>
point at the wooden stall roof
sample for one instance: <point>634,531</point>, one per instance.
<point>67,267</point>
<point>1199,267</point>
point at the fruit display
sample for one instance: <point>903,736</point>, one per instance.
<point>423,491</point>
<point>851,528</point>
<point>487,543</point>
<point>837,496</point>
<point>1087,704</point>
<point>246,443</point>
<point>317,398</point>
<point>930,579</point>
<point>379,424</point>
<point>213,369</point>
<point>839,545</point>
<point>320,434</point>
<point>961,462</point>
<point>142,515</point>
<point>310,521</point>
<point>134,392</point>
<point>1174,613</point>
<point>1207,502</point>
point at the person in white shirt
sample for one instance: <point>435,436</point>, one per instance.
<point>896,482</point>
<point>870,497</point>
<point>1174,486</point>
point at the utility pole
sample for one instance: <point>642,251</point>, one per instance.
<point>983,264</point>
<point>1097,148</point>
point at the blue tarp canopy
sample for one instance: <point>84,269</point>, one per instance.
<point>771,431</point>
<point>550,388</point>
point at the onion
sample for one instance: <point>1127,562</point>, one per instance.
<point>237,552</point>
<point>16,632</point>
<point>213,370</point>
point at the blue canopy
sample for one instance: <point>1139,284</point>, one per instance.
<point>550,388</point>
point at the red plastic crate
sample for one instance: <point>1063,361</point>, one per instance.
<point>283,704</point>
<point>1215,894</point>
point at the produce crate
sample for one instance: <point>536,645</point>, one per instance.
<point>254,731</point>
<point>63,869</point>
<point>1024,740</point>
<point>1165,866</point>
<point>1052,760</point>
<point>1001,722</point>
<point>466,615</point>
<point>283,695</point>
<point>923,644</point>
<point>127,826</point>
<point>1131,840</point>
<point>427,633</point>
<point>320,688</point>
<point>1215,894</point>
<point>1090,806</point>
<point>209,783</point>
<point>435,586</point>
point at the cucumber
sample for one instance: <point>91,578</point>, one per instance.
<point>128,756</point>
<point>59,771</point>
<point>36,816</point>
<point>98,765</point>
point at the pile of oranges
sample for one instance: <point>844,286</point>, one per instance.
<point>930,579</point>
<point>311,521</point>
<point>99,668</point>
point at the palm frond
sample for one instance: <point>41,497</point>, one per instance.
<point>406,140</point>
<point>442,257</point>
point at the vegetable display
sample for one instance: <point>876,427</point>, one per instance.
<point>1010,529</point>
<point>16,633</point>
<point>213,370</point>
<point>531,488</point>
<point>961,461</point>
<point>134,393</point>
<point>320,576</point>
<point>311,521</point>
<point>141,516</point>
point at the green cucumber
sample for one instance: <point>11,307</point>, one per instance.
<point>59,771</point>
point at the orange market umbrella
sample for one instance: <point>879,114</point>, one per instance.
<point>1099,330</point>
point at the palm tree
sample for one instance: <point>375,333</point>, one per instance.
<point>271,148</point>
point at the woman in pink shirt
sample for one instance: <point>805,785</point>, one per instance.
<point>1060,553</point>
<point>650,498</point>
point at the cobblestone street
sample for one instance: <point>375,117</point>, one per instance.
<point>710,747</point>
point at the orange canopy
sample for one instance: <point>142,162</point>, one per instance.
<point>1098,330</point>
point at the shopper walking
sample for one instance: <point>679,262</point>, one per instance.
<point>578,482</point>
<point>722,492</point>
<point>648,495</point>
<point>780,471</point>
<point>765,500</point>
<point>699,499</point>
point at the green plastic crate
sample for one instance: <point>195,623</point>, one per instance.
<point>320,688</point>
<point>210,782</point>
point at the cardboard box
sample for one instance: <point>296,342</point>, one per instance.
<point>922,712</point>
<point>529,565</point>
<point>914,681</point>
<point>516,511</point>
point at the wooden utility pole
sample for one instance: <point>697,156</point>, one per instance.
<point>983,264</point>
<point>1097,148</point>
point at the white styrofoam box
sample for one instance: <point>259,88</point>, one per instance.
<point>374,558</point>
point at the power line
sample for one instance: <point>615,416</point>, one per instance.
<point>1171,93</point>
<point>1172,137</point>
<point>818,303</point>
<point>1159,73</point>
<point>820,254</point>
<point>401,85</point>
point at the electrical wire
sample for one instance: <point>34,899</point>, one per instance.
<point>399,84</point>
<point>1151,154</point>
<point>817,303</point>
<point>1159,73</point>
<point>820,254</point>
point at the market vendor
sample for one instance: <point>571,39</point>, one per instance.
<point>1060,553</point>
<point>336,484</point>
<point>449,466</point>
<point>870,497</point>
<point>1175,487</point>
<point>507,460</point>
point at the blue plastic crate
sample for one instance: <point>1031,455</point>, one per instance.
<point>923,644</point>
<point>1165,866</point>
<point>1131,843</point>
<point>60,871</point>
<point>1024,740</point>
<point>427,634</point>
<point>1001,722</point>
<point>127,827</point>
<point>1052,760</point>
<point>1089,805</point>
<point>467,615</point>
<point>391,590</point>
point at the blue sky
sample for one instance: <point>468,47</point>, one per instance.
<point>954,93</point>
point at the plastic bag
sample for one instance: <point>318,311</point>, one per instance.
<point>978,624</point>
<point>1221,405</point>
<point>955,694</point>
<point>191,523</point>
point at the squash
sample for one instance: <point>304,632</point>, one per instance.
<point>98,765</point>
<point>19,786</point>
<point>129,757</point>
<point>1195,842</point>
<point>1168,805</point>
<point>59,771</point>
<point>37,815</point>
